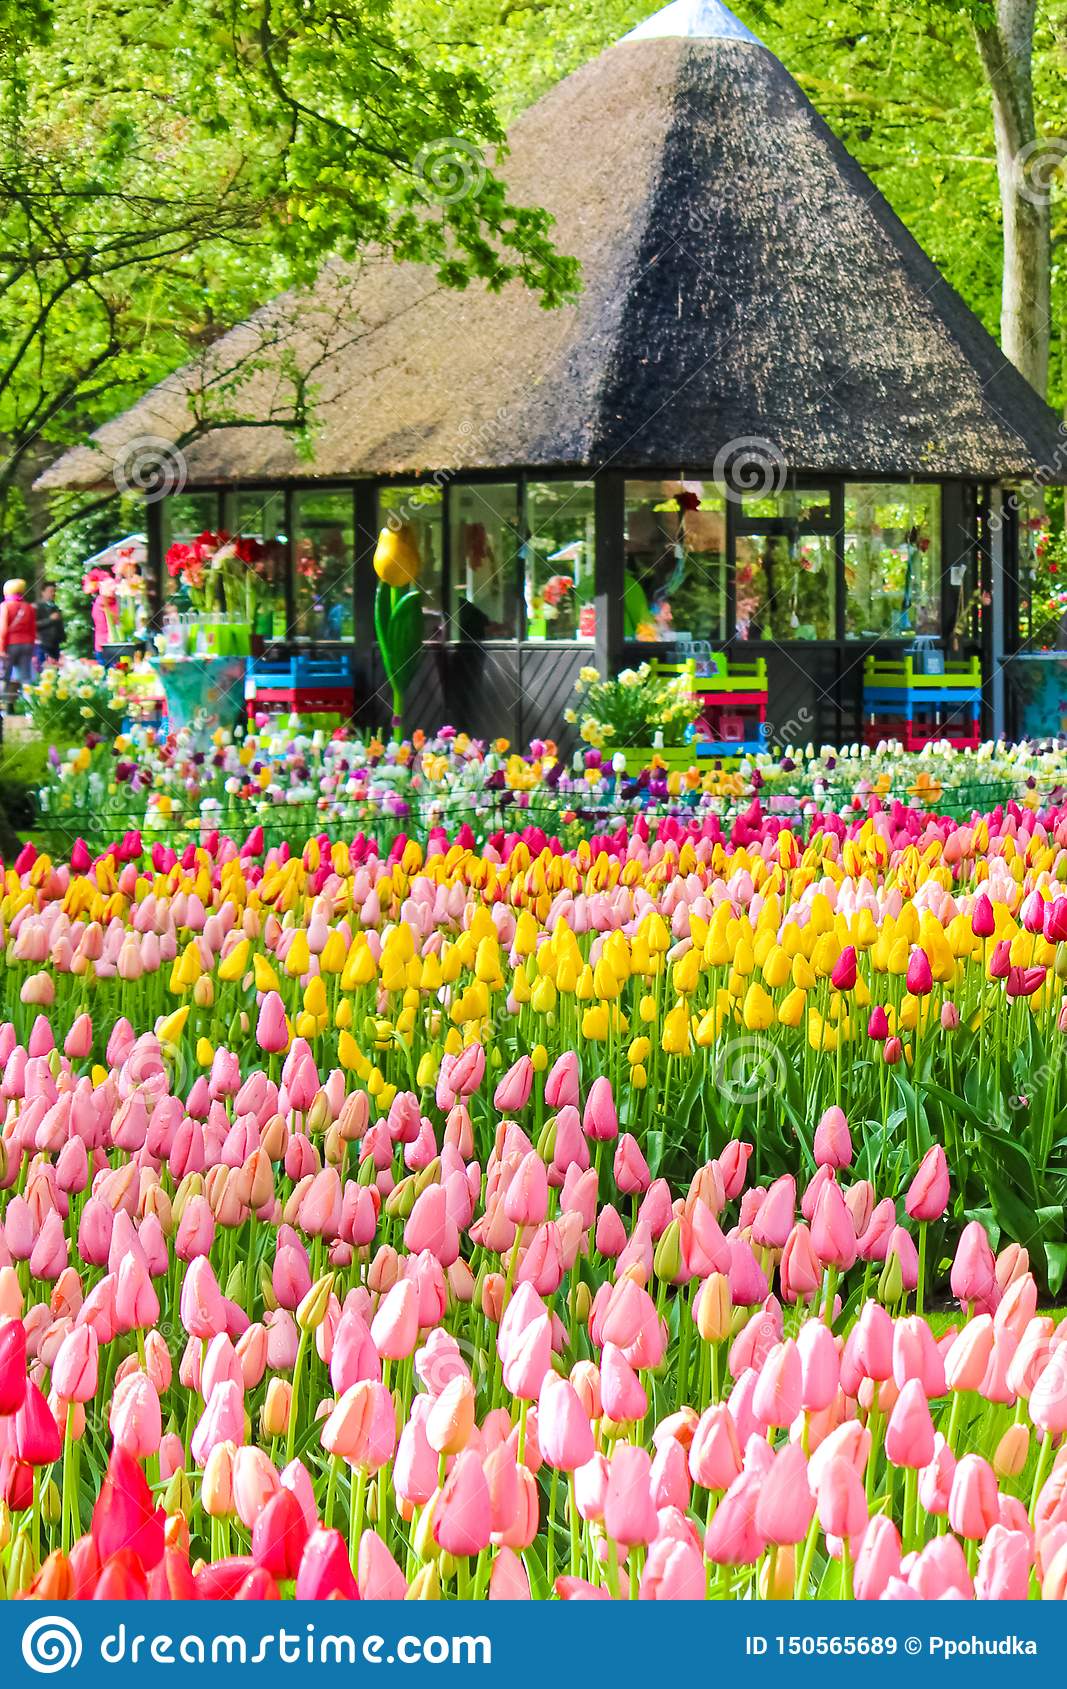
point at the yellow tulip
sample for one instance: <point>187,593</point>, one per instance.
<point>791,1008</point>
<point>674,1037</point>
<point>396,556</point>
<point>757,1011</point>
<point>234,965</point>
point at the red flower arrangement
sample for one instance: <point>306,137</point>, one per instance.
<point>232,560</point>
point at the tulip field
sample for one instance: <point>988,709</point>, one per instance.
<point>674,1212</point>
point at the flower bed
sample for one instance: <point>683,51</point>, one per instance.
<point>528,1221</point>
<point>292,782</point>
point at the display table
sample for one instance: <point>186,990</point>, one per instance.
<point>208,690</point>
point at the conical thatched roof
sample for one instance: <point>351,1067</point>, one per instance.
<point>742,278</point>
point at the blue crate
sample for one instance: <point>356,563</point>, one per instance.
<point>300,671</point>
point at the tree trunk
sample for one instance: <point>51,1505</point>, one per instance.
<point>1023,171</point>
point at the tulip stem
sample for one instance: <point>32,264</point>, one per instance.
<point>804,1570</point>
<point>67,1501</point>
<point>954,1420</point>
<point>331,1485</point>
<point>1043,1459</point>
<point>921,1285</point>
<point>294,1403</point>
<point>909,1521</point>
<point>521,1450</point>
<point>576,1545</point>
<point>513,1261</point>
<point>357,1492</point>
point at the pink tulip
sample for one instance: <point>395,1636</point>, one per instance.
<point>833,1142</point>
<point>629,1513</point>
<point>927,1195</point>
<point>841,1501</point>
<point>135,1418</point>
<point>561,1082</point>
<point>785,1505</point>
<point>779,1387</point>
<point>973,1277</point>
<point>461,1513</point>
<point>733,1538</point>
<point>1004,1566</point>
<point>600,1121</point>
<point>513,1092</point>
<point>909,1438</point>
<point>272,1031</point>
<point>919,979</point>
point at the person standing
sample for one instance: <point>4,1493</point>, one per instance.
<point>18,636</point>
<point>50,628</point>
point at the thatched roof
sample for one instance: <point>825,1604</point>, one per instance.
<point>742,278</point>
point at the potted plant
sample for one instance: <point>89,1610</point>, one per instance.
<point>642,715</point>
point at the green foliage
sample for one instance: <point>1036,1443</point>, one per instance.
<point>23,772</point>
<point>166,167</point>
<point>65,554</point>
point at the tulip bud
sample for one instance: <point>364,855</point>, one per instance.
<point>1012,1451</point>
<point>50,1503</point>
<point>178,1495</point>
<point>430,1175</point>
<point>274,1138</point>
<point>426,1584</point>
<point>492,1298</point>
<point>891,1282</point>
<point>714,1308</point>
<point>667,1260</point>
<point>274,1414</point>
<point>216,1489</point>
<point>312,1310</point>
<point>891,1051</point>
<point>266,1288</point>
<point>20,1567</point>
<point>192,1185</point>
<point>583,1300</point>
<point>204,992</point>
<point>401,1199</point>
<point>784,1575</point>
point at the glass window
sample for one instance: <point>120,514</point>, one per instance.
<point>421,511</point>
<point>892,561</point>
<point>675,561</point>
<point>785,586</point>
<point>485,547</point>
<point>802,505</point>
<point>185,517</point>
<point>261,516</point>
<point>324,561</point>
<point>560,560</point>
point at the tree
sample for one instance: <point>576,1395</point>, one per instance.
<point>169,167</point>
<point>1005,36</point>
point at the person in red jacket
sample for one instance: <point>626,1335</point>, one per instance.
<point>18,636</point>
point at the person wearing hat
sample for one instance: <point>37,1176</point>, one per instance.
<point>18,636</point>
